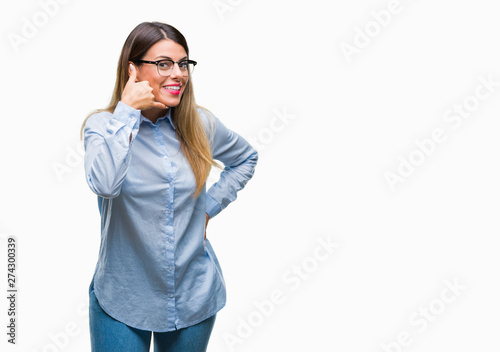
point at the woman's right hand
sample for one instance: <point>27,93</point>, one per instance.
<point>139,95</point>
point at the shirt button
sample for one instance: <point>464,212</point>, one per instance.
<point>170,268</point>
<point>170,240</point>
<point>171,295</point>
<point>164,157</point>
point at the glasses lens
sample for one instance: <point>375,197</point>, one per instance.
<point>186,68</point>
<point>165,67</point>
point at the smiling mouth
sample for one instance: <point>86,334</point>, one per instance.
<point>175,90</point>
<point>172,87</point>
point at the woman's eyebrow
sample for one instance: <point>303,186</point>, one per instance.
<point>166,57</point>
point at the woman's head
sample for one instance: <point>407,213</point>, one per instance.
<point>154,41</point>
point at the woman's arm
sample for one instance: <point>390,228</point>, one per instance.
<point>107,139</point>
<point>239,159</point>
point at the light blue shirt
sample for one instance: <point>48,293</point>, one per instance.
<point>154,270</point>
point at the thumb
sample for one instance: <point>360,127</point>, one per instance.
<point>132,73</point>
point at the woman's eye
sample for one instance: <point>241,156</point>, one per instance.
<point>164,65</point>
<point>183,64</point>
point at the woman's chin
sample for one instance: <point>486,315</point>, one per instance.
<point>170,99</point>
<point>172,103</point>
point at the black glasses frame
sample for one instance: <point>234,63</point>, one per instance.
<point>173,62</point>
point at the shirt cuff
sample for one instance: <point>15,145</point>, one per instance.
<point>213,208</point>
<point>126,114</point>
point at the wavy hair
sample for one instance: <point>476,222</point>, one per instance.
<point>189,128</point>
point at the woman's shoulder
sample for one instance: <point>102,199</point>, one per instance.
<point>97,120</point>
<point>121,112</point>
<point>99,115</point>
<point>207,117</point>
<point>205,113</point>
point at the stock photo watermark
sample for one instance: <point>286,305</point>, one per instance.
<point>381,19</point>
<point>73,159</point>
<point>221,7</point>
<point>31,25</point>
<point>277,124</point>
<point>292,279</point>
<point>62,338</point>
<point>425,315</point>
<point>453,118</point>
<point>11,292</point>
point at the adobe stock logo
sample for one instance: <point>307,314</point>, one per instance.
<point>453,116</point>
<point>31,26</point>
<point>73,159</point>
<point>363,37</point>
<point>277,124</point>
<point>293,278</point>
<point>425,315</point>
<point>223,6</point>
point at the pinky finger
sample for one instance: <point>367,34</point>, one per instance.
<point>159,105</point>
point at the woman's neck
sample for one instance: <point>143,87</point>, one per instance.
<point>153,114</point>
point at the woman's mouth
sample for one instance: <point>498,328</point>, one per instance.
<point>174,89</point>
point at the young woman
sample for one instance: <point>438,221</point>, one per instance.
<point>147,157</point>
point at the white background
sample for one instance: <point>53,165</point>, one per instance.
<point>321,175</point>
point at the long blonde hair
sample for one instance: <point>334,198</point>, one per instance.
<point>189,128</point>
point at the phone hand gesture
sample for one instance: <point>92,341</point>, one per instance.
<point>139,95</point>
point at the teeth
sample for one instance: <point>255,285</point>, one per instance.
<point>173,87</point>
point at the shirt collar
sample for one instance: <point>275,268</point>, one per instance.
<point>167,115</point>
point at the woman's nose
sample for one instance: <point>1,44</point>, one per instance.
<point>176,71</point>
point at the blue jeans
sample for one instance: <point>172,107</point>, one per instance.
<point>109,335</point>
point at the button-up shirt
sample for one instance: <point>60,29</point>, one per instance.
<point>155,271</point>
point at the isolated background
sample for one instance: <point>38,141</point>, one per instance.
<point>320,176</point>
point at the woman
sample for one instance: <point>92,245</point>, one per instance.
<point>147,157</point>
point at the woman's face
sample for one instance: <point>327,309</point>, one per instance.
<point>165,89</point>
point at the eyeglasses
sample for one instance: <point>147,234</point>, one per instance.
<point>166,66</point>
